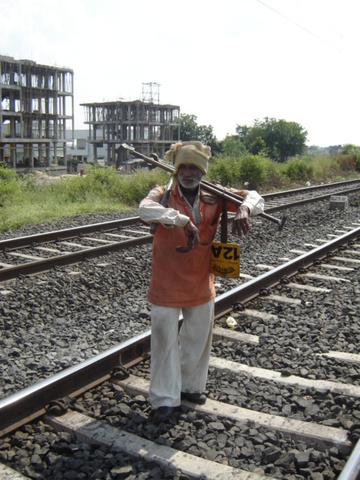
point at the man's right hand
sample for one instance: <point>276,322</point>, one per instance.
<point>192,234</point>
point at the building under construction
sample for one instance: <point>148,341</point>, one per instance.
<point>37,106</point>
<point>145,124</point>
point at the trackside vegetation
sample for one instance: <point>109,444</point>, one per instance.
<point>34,197</point>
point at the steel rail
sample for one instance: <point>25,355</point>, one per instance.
<point>73,232</point>
<point>31,402</point>
<point>8,273</point>
<point>68,233</point>
<point>296,191</point>
<point>250,289</point>
<point>318,198</point>
<point>352,467</point>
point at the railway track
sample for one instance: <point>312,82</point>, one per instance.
<point>267,416</point>
<point>302,196</point>
<point>36,253</point>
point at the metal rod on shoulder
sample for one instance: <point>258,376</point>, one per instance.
<point>216,190</point>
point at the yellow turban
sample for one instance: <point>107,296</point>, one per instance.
<point>194,153</point>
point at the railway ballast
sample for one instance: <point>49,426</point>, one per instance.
<point>62,317</point>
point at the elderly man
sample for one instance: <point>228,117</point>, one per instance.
<point>181,282</point>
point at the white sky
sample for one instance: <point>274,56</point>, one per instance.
<point>227,62</point>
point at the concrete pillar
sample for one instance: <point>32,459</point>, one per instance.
<point>55,153</point>
<point>12,147</point>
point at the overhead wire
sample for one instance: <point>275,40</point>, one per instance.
<point>307,30</point>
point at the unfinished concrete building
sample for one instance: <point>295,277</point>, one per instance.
<point>145,124</point>
<point>37,106</point>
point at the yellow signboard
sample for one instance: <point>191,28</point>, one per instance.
<point>225,260</point>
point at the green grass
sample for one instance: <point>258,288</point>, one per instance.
<point>35,198</point>
<point>32,199</point>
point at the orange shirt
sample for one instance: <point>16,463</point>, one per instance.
<point>183,279</point>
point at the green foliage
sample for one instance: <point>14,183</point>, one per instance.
<point>111,186</point>
<point>252,171</point>
<point>9,183</point>
<point>131,189</point>
<point>346,162</point>
<point>299,170</point>
<point>354,152</point>
<point>232,145</point>
<point>274,177</point>
<point>6,173</point>
<point>236,171</point>
<point>8,180</point>
<point>101,180</point>
<point>277,139</point>
<point>191,131</point>
<point>324,167</point>
<point>36,198</point>
<point>349,149</point>
<point>32,200</point>
<point>224,170</point>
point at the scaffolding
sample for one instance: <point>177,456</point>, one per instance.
<point>146,125</point>
<point>37,104</point>
<point>151,92</point>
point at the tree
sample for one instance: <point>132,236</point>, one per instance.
<point>242,131</point>
<point>232,145</point>
<point>278,139</point>
<point>291,139</point>
<point>191,131</point>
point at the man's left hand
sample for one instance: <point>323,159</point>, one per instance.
<point>241,221</point>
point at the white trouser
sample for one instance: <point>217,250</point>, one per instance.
<point>179,360</point>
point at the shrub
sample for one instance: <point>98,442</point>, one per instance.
<point>324,168</point>
<point>9,182</point>
<point>131,189</point>
<point>346,162</point>
<point>99,179</point>
<point>32,198</point>
<point>354,152</point>
<point>274,175</point>
<point>224,170</point>
<point>235,172</point>
<point>299,170</point>
<point>252,170</point>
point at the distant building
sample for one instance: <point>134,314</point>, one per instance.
<point>335,149</point>
<point>37,121</point>
<point>36,109</point>
<point>147,126</point>
<point>79,148</point>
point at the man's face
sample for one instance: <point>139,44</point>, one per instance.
<point>189,176</point>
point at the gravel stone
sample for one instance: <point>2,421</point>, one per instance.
<point>57,319</point>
